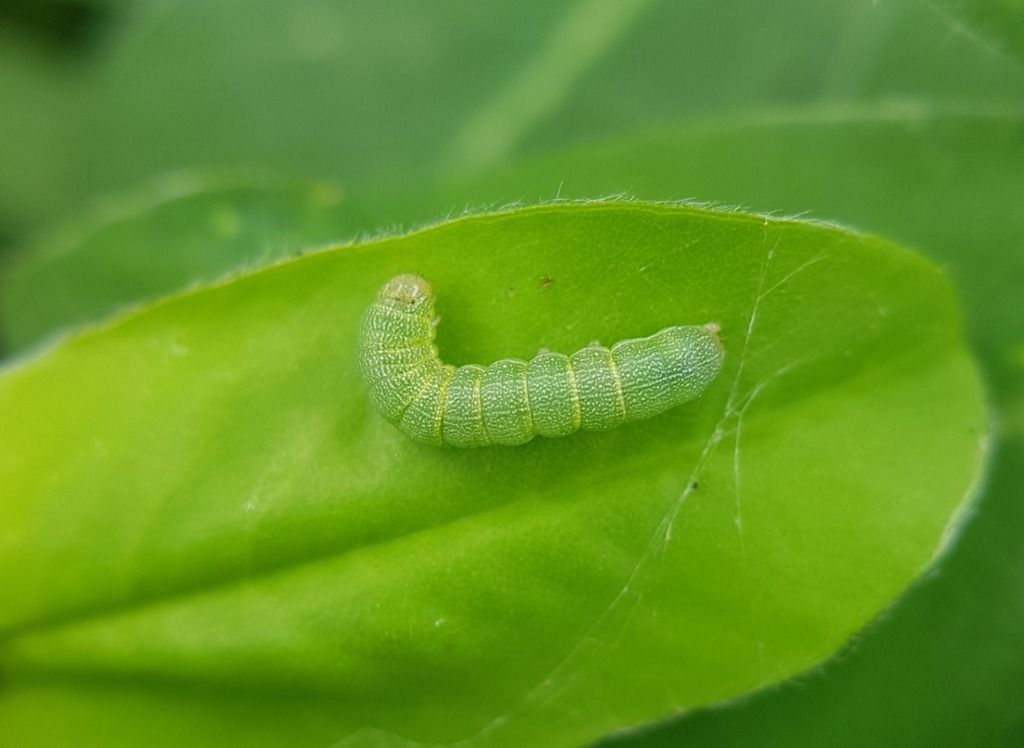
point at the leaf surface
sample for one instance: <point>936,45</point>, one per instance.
<point>943,181</point>
<point>203,519</point>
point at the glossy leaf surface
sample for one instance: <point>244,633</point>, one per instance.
<point>237,528</point>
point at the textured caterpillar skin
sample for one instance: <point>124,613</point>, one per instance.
<point>511,401</point>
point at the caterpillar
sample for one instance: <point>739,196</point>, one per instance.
<point>511,401</point>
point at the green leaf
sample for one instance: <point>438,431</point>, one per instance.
<point>940,669</point>
<point>389,93</point>
<point>937,178</point>
<point>941,180</point>
<point>857,56</point>
<point>348,92</point>
<point>782,159</point>
<point>205,529</point>
<point>183,229</point>
<point>997,24</point>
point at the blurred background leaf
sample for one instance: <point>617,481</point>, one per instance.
<point>998,24</point>
<point>386,92</point>
<point>183,229</point>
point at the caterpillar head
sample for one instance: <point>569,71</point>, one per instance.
<point>407,289</point>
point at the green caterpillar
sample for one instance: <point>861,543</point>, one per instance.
<point>511,401</point>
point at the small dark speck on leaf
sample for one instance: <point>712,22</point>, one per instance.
<point>694,486</point>
<point>545,281</point>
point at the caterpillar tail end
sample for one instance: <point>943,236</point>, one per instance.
<point>714,330</point>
